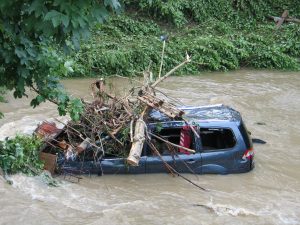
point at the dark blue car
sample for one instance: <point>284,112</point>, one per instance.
<point>223,146</point>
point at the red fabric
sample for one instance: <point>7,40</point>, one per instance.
<point>185,139</point>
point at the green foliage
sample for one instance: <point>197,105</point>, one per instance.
<point>32,32</point>
<point>180,12</point>
<point>158,127</point>
<point>2,99</point>
<point>214,45</point>
<point>2,93</point>
<point>21,154</point>
<point>35,36</point>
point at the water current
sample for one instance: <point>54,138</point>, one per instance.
<point>270,194</point>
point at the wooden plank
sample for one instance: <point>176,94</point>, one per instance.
<point>49,161</point>
<point>161,105</point>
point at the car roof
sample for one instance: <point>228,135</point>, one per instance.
<point>207,113</point>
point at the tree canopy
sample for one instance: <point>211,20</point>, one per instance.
<point>29,55</point>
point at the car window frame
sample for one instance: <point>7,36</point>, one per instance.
<point>217,150</point>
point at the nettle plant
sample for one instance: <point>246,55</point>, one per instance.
<point>35,36</point>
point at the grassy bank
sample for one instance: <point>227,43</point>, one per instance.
<point>219,35</point>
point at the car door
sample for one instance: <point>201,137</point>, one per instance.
<point>156,164</point>
<point>218,149</point>
<point>120,166</point>
<point>181,162</point>
<point>188,163</point>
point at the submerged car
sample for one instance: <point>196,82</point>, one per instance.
<point>223,145</point>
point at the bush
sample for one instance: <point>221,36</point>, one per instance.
<point>21,154</point>
<point>128,48</point>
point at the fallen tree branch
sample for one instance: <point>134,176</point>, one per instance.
<point>170,143</point>
<point>192,128</point>
<point>170,168</point>
<point>187,60</point>
<point>288,19</point>
<point>38,92</point>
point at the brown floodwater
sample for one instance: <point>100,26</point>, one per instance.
<point>270,194</point>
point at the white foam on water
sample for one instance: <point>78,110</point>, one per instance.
<point>26,126</point>
<point>226,209</point>
<point>221,209</point>
<point>68,194</point>
<point>278,216</point>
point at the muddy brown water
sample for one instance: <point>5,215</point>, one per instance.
<point>270,194</point>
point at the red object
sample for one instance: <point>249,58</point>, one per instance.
<point>185,139</point>
<point>46,129</point>
<point>248,154</point>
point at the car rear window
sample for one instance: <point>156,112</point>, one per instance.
<point>217,138</point>
<point>245,135</point>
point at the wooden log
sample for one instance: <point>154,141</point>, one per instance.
<point>83,145</point>
<point>289,19</point>
<point>283,18</point>
<point>292,20</point>
<point>138,143</point>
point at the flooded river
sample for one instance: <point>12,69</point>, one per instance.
<point>270,194</point>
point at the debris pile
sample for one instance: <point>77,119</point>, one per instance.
<point>112,126</point>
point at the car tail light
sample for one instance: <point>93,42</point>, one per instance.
<point>248,154</point>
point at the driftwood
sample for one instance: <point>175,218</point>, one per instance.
<point>289,19</point>
<point>159,80</point>
<point>138,140</point>
<point>162,58</point>
<point>117,125</point>
<point>138,143</point>
<point>284,18</point>
<point>161,105</point>
<point>172,170</point>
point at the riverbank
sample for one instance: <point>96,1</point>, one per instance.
<point>129,42</point>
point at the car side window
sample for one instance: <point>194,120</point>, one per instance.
<point>214,139</point>
<point>182,136</point>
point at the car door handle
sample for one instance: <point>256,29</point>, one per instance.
<point>191,161</point>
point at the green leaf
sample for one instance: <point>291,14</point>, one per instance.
<point>57,18</point>
<point>81,22</point>
<point>65,20</point>
<point>76,108</point>
<point>115,4</point>
<point>20,52</point>
<point>68,65</point>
